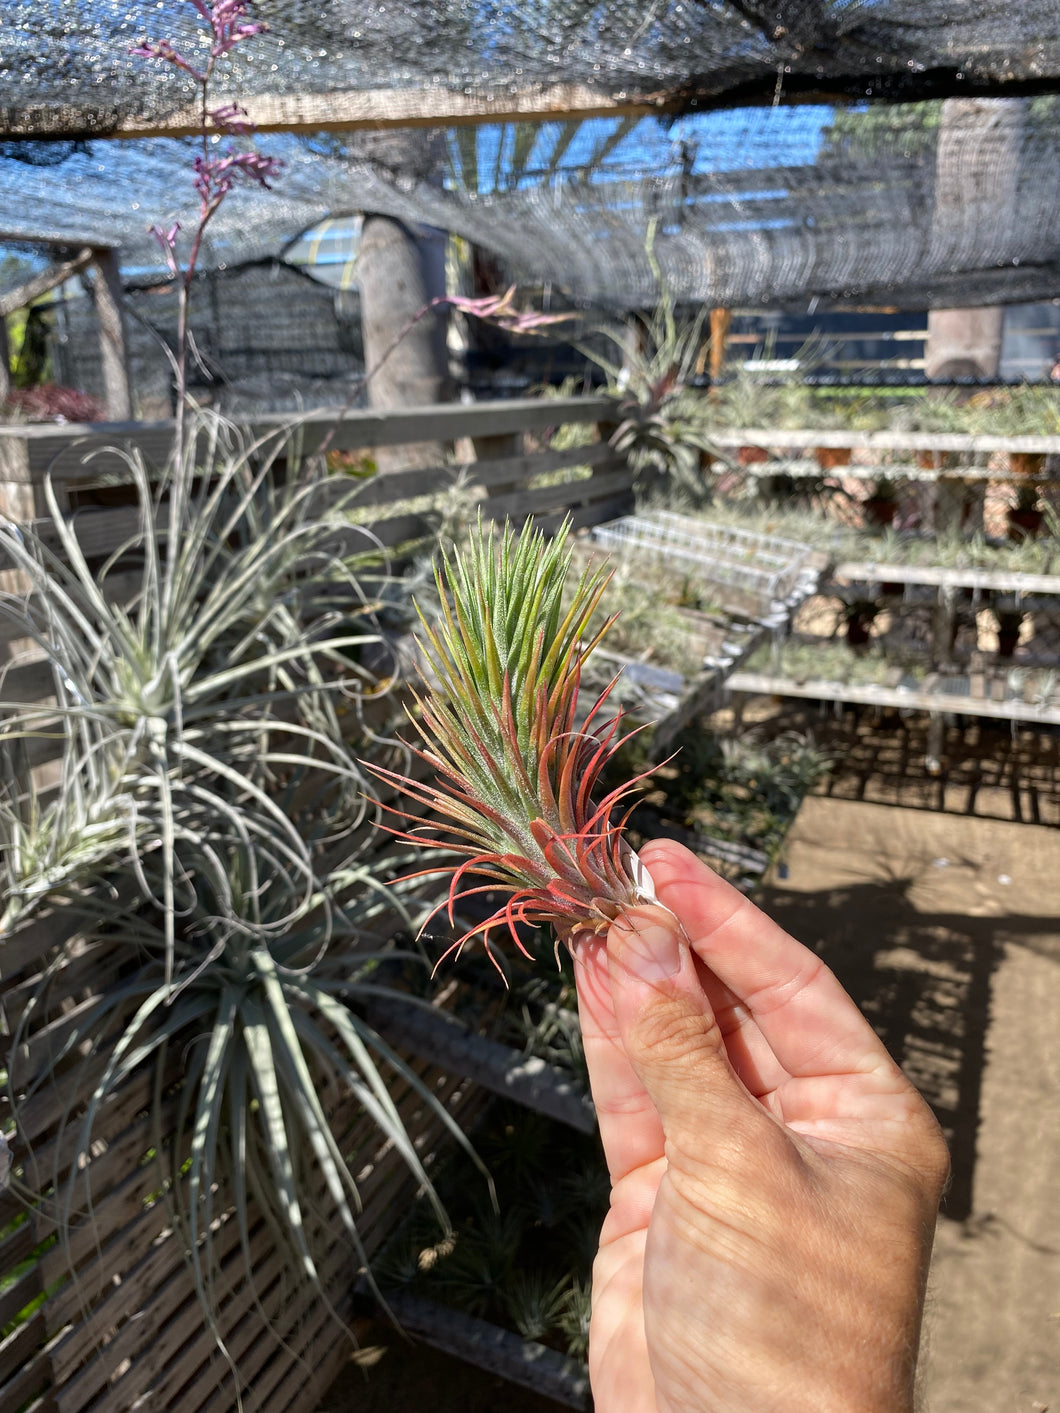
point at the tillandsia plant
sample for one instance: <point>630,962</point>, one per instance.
<point>207,848</point>
<point>515,766</point>
<point>663,429</point>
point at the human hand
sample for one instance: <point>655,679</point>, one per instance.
<point>775,1177</point>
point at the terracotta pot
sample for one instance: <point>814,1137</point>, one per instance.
<point>879,511</point>
<point>829,457</point>
<point>751,455</point>
<point>1024,524</point>
<point>936,460</point>
<point>1026,463</point>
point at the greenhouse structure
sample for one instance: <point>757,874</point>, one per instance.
<point>754,308</point>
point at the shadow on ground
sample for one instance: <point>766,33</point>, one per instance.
<point>923,980</point>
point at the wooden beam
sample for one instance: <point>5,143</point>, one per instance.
<point>349,111</point>
<point>932,576</point>
<point>28,451</point>
<point>40,284</point>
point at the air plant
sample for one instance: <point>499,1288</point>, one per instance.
<point>204,836</point>
<point>663,424</point>
<point>514,769</point>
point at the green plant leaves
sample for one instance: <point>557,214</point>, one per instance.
<point>208,826</point>
<point>515,766</point>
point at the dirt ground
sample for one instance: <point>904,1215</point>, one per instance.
<point>946,930</point>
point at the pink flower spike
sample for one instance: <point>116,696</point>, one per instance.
<point>500,309</point>
<point>164,50</point>
<point>229,25</point>
<point>229,118</point>
<point>167,240</point>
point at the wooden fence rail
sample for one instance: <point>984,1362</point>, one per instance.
<point>129,1332</point>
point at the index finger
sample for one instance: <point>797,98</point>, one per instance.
<point>808,1020</point>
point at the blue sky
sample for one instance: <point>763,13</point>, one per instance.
<point>730,140</point>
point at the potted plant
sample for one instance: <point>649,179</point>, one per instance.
<point>882,505</point>
<point>933,412</point>
<point>751,396</point>
<point>649,364</point>
<point>859,614</point>
<point>1026,463</point>
<point>1009,621</point>
<point>1029,410</point>
<point>840,417</point>
<point>1026,516</point>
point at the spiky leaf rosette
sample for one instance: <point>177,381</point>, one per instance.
<point>514,772</point>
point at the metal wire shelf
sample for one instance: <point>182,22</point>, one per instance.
<point>768,568</point>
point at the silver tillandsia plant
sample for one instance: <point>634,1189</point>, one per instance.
<point>209,834</point>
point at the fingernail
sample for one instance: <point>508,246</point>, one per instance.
<point>651,952</point>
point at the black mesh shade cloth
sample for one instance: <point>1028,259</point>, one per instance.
<point>928,203</point>
<point>65,67</point>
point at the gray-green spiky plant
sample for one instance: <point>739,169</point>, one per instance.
<point>206,832</point>
<point>220,620</point>
<point>664,425</point>
<point>515,763</point>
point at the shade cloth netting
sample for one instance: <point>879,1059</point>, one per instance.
<point>922,202</point>
<point>65,63</point>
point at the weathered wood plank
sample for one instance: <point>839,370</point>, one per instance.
<point>25,1290</point>
<point>443,1039</point>
<point>501,1352</point>
<point>92,968</point>
<point>20,1346</point>
<point>595,513</point>
<point>947,703</point>
<point>85,451</point>
<point>883,441</point>
<point>43,1110</point>
<point>178,1328</point>
<point>330,1351</point>
<point>390,486</point>
<point>51,278</point>
<point>27,1380</point>
<point>27,944</point>
<point>245,1342</point>
<point>348,110</point>
<point>519,504</point>
<point>935,576</point>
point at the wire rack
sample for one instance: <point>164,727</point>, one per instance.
<point>769,569</point>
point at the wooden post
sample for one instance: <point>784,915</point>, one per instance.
<point>977,170</point>
<point>943,627</point>
<point>5,367</point>
<point>113,348</point>
<point>963,343</point>
<point>720,324</point>
<point>399,271</point>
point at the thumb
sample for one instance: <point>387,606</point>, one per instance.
<point>671,1035</point>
